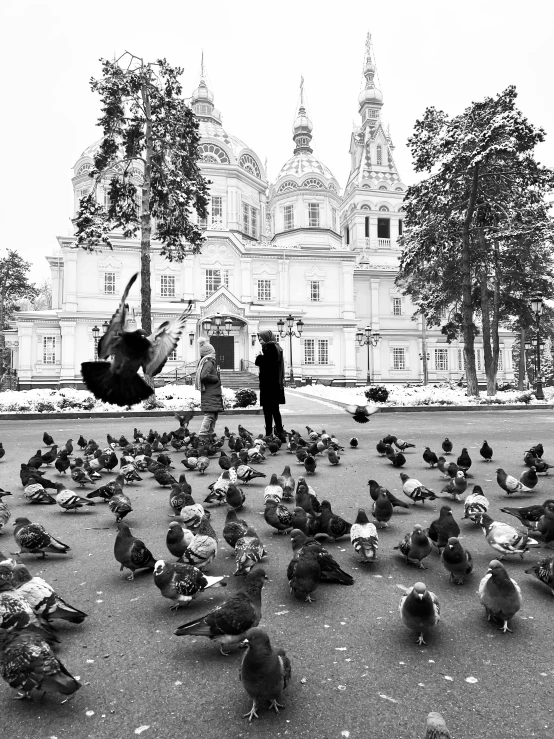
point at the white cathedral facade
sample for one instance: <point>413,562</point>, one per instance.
<point>299,246</point>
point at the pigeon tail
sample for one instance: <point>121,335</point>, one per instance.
<point>112,388</point>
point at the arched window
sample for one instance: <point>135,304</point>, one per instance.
<point>365,207</point>
<point>84,168</point>
<point>288,185</point>
<point>214,152</point>
<point>313,183</point>
<point>382,187</point>
<point>248,163</point>
<point>379,154</point>
<point>398,189</point>
<point>384,208</point>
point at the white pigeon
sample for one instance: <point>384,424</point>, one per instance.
<point>273,491</point>
<point>504,538</point>
<point>364,537</point>
<point>475,503</point>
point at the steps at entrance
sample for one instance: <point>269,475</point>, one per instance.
<point>238,379</point>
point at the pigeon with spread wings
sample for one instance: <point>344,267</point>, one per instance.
<point>117,381</point>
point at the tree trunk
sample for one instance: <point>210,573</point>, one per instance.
<point>521,365</point>
<point>467,307</point>
<point>145,220</point>
<point>495,315</point>
<point>486,325</point>
<point>2,337</point>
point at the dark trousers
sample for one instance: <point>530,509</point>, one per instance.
<point>272,412</point>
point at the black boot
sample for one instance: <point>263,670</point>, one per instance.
<point>281,434</point>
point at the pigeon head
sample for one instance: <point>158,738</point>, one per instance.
<point>404,476</point>
<point>21,521</point>
<point>446,510</point>
<point>495,567</point>
<point>362,516</point>
<point>6,576</point>
<point>123,529</point>
<point>460,475</point>
<point>478,490</point>
<point>325,505</point>
<point>159,567</point>
<point>256,575</point>
<point>452,541</point>
<point>257,636</point>
<point>420,589</point>
<point>297,538</point>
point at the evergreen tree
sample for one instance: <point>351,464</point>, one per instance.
<point>149,143</point>
<point>14,284</point>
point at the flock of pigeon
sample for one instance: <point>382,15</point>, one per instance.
<point>28,604</point>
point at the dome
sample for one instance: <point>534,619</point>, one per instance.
<point>202,93</point>
<point>370,95</point>
<point>304,163</point>
<point>302,123</point>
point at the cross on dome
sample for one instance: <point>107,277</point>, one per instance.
<point>302,127</point>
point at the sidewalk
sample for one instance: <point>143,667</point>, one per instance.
<point>303,405</point>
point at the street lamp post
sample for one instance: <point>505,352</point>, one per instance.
<point>425,357</point>
<point>96,336</point>
<point>219,323</point>
<point>290,333</point>
<point>367,337</point>
<point>537,306</point>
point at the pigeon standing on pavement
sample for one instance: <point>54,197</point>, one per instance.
<point>181,582</point>
<point>382,510</point>
<point>130,552</point>
<point>436,727</point>
<point>475,503</point>
<point>529,477</point>
<point>447,446</point>
<point>415,547</point>
<point>43,599</point>
<point>485,452</point>
<point>33,538</point>
<point>544,571</point>
<point>415,490</point>
<point>456,486</point>
<point>249,550</point>
<point>332,524</point>
<point>430,457</point>
<point>364,537</point>
<point>420,610</point>
<point>509,483</point>
<point>504,538</point>
<point>500,595</point>
<point>456,560</point>
<point>442,528</point>
<point>464,460</point>
<point>178,539</point>
<point>264,672</point>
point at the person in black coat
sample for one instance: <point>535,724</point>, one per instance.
<point>272,383</point>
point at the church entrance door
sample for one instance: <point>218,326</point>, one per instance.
<point>224,351</point>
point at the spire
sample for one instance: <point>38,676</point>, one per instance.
<point>202,100</point>
<point>302,126</point>
<point>202,66</point>
<point>371,98</point>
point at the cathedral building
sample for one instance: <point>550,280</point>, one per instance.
<point>299,247</point>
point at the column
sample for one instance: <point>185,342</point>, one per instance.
<point>70,280</point>
<point>374,304</point>
<point>246,280</point>
<point>188,278</point>
<point>349,353</point>
<point>373,231</point>
<point>69,360</point>
<point>284,283</point>
<point>375,354</point>
<point>348,290</point>
<point>25,334</point>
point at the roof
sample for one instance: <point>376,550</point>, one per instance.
<point>304,163</point>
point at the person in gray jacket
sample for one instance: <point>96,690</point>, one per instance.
<point>207,380</point>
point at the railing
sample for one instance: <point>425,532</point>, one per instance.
<point>185,371</point>
<point>377,244</point>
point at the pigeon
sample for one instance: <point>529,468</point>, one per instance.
<point>178,496</point>
<point>306,498</point>
<point>442,528</point>
<point>50,455</point>
<point>333,457</point>
<point>353,442</point>
<point>202,464</point>
<point>79,475</point>
<point>430,457</point>
<point>456,486</point>
<point>500,595</point>
<point>203,548</point>
<point>192,513</point>
<point>436,727</point>
<point>33,538</point>
<point>545,524</point>
<point>331,524</point>
<point>509,483</point>
<point>235,497</point>
<point>245,473</point>
<point>178,539</point>
<point>420,610</point>
<point>180,582</point>
<point>131,553</point>
<point>331,571</point>
<point>43,599</point>
<point>361,413</point>
<point>120,505</point>
<point>310,464</point>
<point>274,490</point>
<point>68,500</point>
<point>382,510</point>
<point>47,439</point>
<point>529,477</point>
<point>218,489</point>
<point>396,459</point>
<point>375,489</point>
<point>287,483</point>
<point>537,450</point>
<point>485,452</point>
<point>37,495</point>
<point>304,574</point>
<point>307,523</point>
<point>117,382</point>
<point>415,490</point>
<point>62,464</point>
<point>381,448</point>
<point>28,662</point>
<point>415,547</point>
<point>528,515</point>
<point>464,460</point>
<point>2,451</point>
<point>447,446</point>
<point>364,537</point>
<point>278,516</point>
<point>264,672</point>
<point>163,477</point>
<point>228,623</point>
<point>504,538</point>
<point>234,528</point>
<point>249,550</point>
<point>36,460</point>
<point>389,439</point>
<point>544,571</point>
<point>475,503</point>
<point>5,513</point>
<point>456,560</point>
<point>403,445</point>
<point>16,612</point>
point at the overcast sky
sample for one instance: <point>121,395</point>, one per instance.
<point>430,52</point>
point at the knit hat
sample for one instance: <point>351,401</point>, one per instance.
<point>206,349</point>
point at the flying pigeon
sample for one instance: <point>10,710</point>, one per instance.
<point>264,672</point>
<point>419,610</point>
<point>500,595</point>
<point>361,413</point>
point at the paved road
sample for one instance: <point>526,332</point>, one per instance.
<point>356,669</point>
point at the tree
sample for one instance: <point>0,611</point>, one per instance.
<point>42,300</point>
<point>480,212</point>
<point>14,284</point>
<point>150,140</point>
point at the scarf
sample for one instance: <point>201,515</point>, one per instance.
<point>269,338</point>
<point>206,352</point>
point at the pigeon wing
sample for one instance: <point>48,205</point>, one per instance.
<point>109,342</point>
<point>164,340</point>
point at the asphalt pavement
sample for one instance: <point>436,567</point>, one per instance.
<point>357,671</point>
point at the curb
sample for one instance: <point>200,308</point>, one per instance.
<point>118,414</point>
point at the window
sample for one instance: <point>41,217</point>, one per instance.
<point>203,222</point>
<point>248,163</point>
<point>347,235</point>
<point>397,306</point>
<point>398,358</point>
<point>316,351</point>
<point>212,152</point>
<point>107,201</point>
<point>379,154</point>
<point>173,356</point>
<point>366,227</point>
<point>49,350</point>
<point>313,215</point>
<point>217,209</point>
<point>264,289</point>
<point>109,283</point>
<point>289,217</point>
<point>288,185</point>
<point>500,361</point>
<point>461,360</point>
<point>315,291</point>
<point>167,286</point>
<point>314,183</point>
<point>334,218</point>
<point>478,359</point>
<point>400,227</point>
<point>441,359</point>
<point>249,220</point>
<point>383,228</point>
<point>384,208</point>
<point>215,278</point>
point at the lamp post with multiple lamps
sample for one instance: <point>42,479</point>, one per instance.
<point>96,336</point>
<point>537,306</point>
<point>218,324</point>
<point>290,333</point>
<point>367,337</point>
